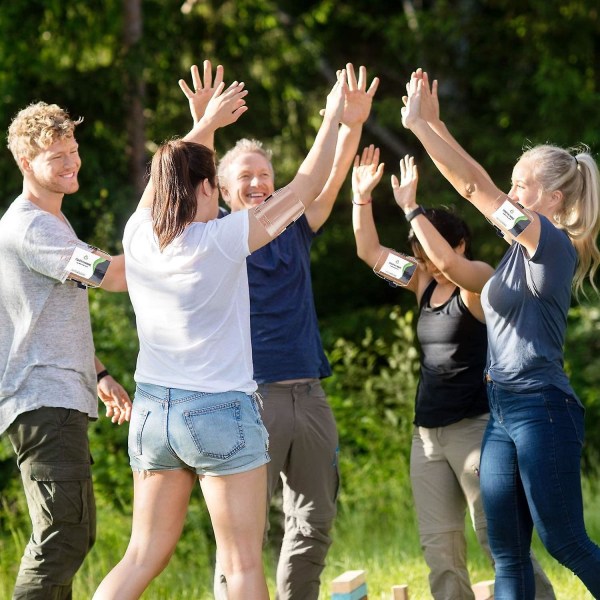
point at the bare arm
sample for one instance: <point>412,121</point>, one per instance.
<point>114,280</point>
<point>366,174</point>
<point>466,274</point>
<point>315,168</point>
<point>224,107</point>
<point>466,176</point>
<point>357,107</point>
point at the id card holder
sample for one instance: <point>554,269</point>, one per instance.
<point>511,219</point>
<point>397,269</point>
<point>87,266</point>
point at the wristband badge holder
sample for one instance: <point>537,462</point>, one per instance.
<point>510,219</point>
<point>397,269</point>
<point>87,266</point>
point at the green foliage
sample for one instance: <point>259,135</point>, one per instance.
<point>511,73</point>
<point>372,394</point>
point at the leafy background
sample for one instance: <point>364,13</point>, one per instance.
<point>512,73</point>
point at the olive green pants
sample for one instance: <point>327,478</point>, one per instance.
<point>53,455</point>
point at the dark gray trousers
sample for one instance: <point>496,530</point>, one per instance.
<point>303,446</point>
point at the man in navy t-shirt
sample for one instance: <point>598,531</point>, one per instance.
<point>287,352</point>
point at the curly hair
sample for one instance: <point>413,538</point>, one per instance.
<point>37,127</point>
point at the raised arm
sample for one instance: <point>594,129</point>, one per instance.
<point>455,266</point>
<point>366,174</point>
<point>462,171</point>
<point>357,107</point>
<point>309,180</point>
<point>204,88</point>
<point>430,111</point>
<point>224,107</point>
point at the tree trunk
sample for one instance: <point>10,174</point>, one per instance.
<point>134,92</point>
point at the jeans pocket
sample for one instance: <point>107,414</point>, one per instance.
<point>136,429</point>
<point>217,430</point>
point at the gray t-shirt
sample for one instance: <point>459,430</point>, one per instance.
<point>46,346</point>
<point>526,304</point>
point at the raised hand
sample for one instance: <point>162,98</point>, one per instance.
<point>226,106</point>
<point>411,112</point>
<point>366,174</point>
<point>204,88</point>
<point>336,98</point>
<point>357,105</point>
<point>405,190</point>
<point>430,105</point>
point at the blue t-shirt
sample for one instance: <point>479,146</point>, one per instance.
<point>526,304</point>
<point>286,343</point>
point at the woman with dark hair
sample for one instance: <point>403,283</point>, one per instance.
<point>195,415</point>
<point>451,407</point>
<point>530,465</point>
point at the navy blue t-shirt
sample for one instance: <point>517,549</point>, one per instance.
<point>526,304</point>
<point>286,343</point>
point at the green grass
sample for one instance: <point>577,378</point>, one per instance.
<point>382,542</point>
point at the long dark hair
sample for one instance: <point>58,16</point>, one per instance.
<point>452,228</point>
<point>178,167</point>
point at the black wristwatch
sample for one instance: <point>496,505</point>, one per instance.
<point>413,213</point>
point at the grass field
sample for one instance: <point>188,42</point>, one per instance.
<point>385,546</point>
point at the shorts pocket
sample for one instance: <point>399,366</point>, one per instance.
<point>136,428</point>
<point>216,430</point>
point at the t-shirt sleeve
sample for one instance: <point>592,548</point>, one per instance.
<point>554,260</point>
<point>48,246</point>
<point>231,235</point>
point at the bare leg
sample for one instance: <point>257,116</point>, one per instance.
<point>159,509</point>
<point>237,506</point>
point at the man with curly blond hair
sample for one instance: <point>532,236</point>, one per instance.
<point>50,376</point>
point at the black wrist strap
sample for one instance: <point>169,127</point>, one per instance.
<point>413,213</point>
<point>101,375</point>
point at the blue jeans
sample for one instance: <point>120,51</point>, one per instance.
<point>530,475</point>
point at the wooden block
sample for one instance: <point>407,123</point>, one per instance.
<point>400,592</point>
<point>484,590</point>
<point>348,581</point>
<point>350,585</point>
<point>359,593</point>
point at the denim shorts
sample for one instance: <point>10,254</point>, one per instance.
<point>211,434</point>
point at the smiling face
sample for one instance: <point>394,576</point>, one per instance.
<point>528,192</point>
<point>249,181</point>
<point>55,169</point>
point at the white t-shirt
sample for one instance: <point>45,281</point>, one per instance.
<point>46,346</point>
<point>192,304</point>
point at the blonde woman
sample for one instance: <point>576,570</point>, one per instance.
<point>530,466</point>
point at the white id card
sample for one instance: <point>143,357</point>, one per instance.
<point>395,267</point>
<point>511,218</point>
<point>87,266</point>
